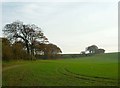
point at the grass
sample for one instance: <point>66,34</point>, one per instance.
<point>98,70</point>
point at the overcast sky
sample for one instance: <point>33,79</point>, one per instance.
<point>71,25</point>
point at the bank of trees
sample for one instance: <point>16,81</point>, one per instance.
<point>13,51</point>
<point>93,49</point>
<point>47,51</point>
<point>25,41</point>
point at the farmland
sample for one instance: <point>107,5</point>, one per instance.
<point>96,70</point>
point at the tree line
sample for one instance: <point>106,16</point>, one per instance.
<point>25,41</point>
<point>28,42</point>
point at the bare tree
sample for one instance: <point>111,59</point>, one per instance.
<point>28,33</point>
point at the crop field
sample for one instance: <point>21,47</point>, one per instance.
<point>97,70</point>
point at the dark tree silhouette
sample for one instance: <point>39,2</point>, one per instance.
<point>82,52</point>
<point>99,51</point>
<point>92,49</point>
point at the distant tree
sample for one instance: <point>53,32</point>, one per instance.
<point>26,32</point>
<point>99,51</point>
<point>92,49</point>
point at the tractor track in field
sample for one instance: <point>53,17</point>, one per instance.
<point>101,80</point>
<point>10,67</point>
<point>89,76</point>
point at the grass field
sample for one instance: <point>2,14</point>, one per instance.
<point>98,70</point>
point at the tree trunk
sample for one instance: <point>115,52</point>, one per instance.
<point>27,46</point>
<point>26,42</point>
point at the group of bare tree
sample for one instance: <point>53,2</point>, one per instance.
<point>27,38</point>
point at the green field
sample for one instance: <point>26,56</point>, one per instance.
<point>97,70</point>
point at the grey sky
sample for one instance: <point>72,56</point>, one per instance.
<point>70,25</point>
